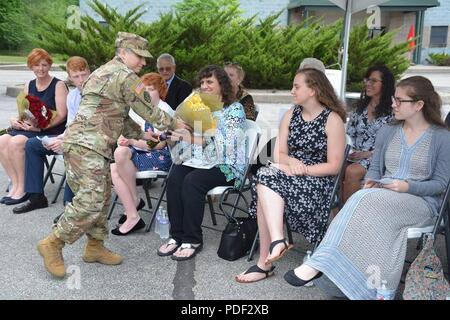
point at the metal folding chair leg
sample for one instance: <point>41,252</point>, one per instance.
<point>211,210</point>
<point>113,205</point>
<point>60,186</point>
<point>254,246</point>
<point>49,173</point>
<point>158,203</point>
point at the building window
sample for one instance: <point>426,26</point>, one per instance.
<point>438,37</point>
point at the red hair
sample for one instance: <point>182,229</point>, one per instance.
<point>77,63</point>
<point>36,55</point>
<point>155,80</point>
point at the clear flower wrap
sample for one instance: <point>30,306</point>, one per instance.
<point>196,110</point>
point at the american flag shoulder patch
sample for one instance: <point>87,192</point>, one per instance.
<point>138,87</point>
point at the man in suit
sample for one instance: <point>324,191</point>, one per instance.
<point>179,89</point>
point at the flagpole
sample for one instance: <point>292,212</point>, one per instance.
<point>348,18</point>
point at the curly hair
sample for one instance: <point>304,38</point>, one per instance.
<point>384,108</point>
<point>154,79</point>
<point>318,81</point>
<point>219,73</point>
<point>420,88</point>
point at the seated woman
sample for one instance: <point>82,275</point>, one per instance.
<point>308,153</point>
<point>187,186</point>
<point>237,75</point>
<point>373,110</point>
<point>371,230</point>
<point>133,155</point>
<point>52,92</point>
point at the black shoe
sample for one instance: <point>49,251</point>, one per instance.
<point>295,281</point>
<point>31,205</point>
<point>3,199</point>
<point>12,201</point>
<point>139,225</point>
<point>123,217</point>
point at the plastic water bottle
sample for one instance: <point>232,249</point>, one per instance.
<point>384,293</point>
<point>306,258</point>
<point>164,226</point>
<point>158,220</point>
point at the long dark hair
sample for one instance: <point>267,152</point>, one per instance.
<point>325,94</point>
<point>384,108</point>
<point>224,81</point>
<point>420,88</point>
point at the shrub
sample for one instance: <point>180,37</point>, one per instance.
<point>202,32</point>
<point>439,59</point>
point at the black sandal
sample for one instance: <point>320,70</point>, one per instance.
<point>171,252</point>
<point>256,269</point>
<point>196,249</point>
<point>287,246</point>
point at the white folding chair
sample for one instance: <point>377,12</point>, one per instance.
<point>441,225</point>
<point>146,177</point>
<point>252,133</point>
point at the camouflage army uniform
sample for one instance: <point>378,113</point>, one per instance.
<point>89,140</point>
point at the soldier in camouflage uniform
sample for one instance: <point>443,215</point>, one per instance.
<point>88,143</point>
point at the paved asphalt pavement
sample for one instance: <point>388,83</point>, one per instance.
<point>142,275</point>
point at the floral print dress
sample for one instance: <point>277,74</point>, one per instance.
<point>363,133</point>
<point>151,160</point>
<point>306,198</point>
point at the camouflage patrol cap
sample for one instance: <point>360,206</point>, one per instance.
<point>135,43</point>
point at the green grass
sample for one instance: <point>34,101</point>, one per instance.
<point>6,59</point>
<point>12,60</point>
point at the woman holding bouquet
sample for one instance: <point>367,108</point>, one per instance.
<point>187,186</point>
<point>52,92</point>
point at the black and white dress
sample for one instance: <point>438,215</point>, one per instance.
<point>307,198</point>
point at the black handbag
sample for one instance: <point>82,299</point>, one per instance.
<point>237,238</point>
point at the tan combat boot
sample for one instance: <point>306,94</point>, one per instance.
<point>96,252</point>
<point>50,249</point>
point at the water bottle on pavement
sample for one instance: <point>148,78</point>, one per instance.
<point>164,225</point>
<point>306,258</point>
<point>158,220</point>
<point>384,293</point>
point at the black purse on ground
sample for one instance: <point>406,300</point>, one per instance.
<point>237,238</point>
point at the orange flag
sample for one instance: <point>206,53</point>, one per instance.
<point>410,37</point>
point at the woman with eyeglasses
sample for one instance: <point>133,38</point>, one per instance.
<point>410,168</point>
<point>237,75</point>
<point>373,110</point>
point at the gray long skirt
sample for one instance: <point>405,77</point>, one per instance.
<point>366,242</point>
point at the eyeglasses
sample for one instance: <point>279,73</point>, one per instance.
<point>371,81</point>
<point>398,101</point>
<point>162,69</point>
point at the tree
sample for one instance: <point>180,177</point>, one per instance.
<point>202,32</point>
<point>12,24</point>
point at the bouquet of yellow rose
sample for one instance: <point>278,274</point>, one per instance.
<point>196,110</point>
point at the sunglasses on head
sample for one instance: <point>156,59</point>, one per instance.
<point>233,64</point>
